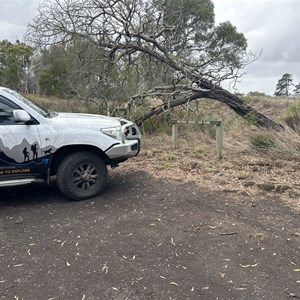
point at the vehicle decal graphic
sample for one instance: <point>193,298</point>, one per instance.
<point>43,161</point>
<point>25,154</point>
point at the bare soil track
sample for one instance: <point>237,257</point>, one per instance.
<point>147,238</point>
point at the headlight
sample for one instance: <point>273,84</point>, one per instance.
<point>114,132</point>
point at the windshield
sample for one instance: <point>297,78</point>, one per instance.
<point>28,102</point>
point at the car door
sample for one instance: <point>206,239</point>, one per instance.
<point>19,144</point>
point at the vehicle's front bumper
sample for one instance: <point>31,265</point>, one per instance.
<point>130,148</point>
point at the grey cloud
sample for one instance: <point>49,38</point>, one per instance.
<point>273,27</point>
<point>15,16</point>
<point>270,26</point>
<point>11,31</point>
<point>18,12</point>
<point>263,76</point>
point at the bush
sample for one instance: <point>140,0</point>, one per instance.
<point>262,142</point>
<point>292,118</point>
<point>156,125</point>
<point>251,118</point>
<point>256,93</point>
<point>294,108</point>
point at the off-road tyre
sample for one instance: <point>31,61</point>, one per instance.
<point>81,175</point>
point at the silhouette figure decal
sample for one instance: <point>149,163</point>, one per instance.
<point>34,151</point>
<point>26,154</point>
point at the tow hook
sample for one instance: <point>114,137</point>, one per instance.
<point>114,165</point>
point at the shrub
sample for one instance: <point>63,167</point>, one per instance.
<point>156,125</point>
<point>256,93</point>
<point>294,108</point>
<point>292,118</point>
<point>251,118</point>
<point>262,142</point>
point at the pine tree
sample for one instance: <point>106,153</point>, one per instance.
<point>283,85</point>
<point>297,89</point>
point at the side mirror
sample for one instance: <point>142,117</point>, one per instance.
<point>21,116</point>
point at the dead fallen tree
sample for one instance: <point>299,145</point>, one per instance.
<point>216,93</point>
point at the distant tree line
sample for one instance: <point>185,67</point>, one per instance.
<point>72,70</point>
<point>284,86</point>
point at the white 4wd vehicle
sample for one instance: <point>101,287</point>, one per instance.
<point>35,144</point>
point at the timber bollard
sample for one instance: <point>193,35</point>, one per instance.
<point>219,133</point>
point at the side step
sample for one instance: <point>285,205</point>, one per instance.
<point>15,182</point>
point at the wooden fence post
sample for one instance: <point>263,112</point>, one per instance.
<point>219,140</point>
<point>174,134</point>
<point>219,133</point>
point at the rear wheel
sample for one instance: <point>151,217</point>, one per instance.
<point>81,175</point>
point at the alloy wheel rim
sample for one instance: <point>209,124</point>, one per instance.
<point>85,176</point>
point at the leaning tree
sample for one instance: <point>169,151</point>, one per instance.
<point>176,40</point>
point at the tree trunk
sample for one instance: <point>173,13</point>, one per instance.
<point>238,105</point>
<point>243,109</point>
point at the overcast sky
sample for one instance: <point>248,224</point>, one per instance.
<point>269,25</point>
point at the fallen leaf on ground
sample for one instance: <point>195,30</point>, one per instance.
<point>105,269</point>
<point>240,289</point>
<point>247,266</point>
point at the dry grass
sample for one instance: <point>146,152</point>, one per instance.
<point>287,145</point>
<point>241,171</point>
<point>67,105</point>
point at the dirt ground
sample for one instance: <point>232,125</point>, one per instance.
<point>150,237</point>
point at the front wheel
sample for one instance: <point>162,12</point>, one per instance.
<point>81,175</point>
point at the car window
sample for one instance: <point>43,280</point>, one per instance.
<point>28,102</point>
<point>6,113</point>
